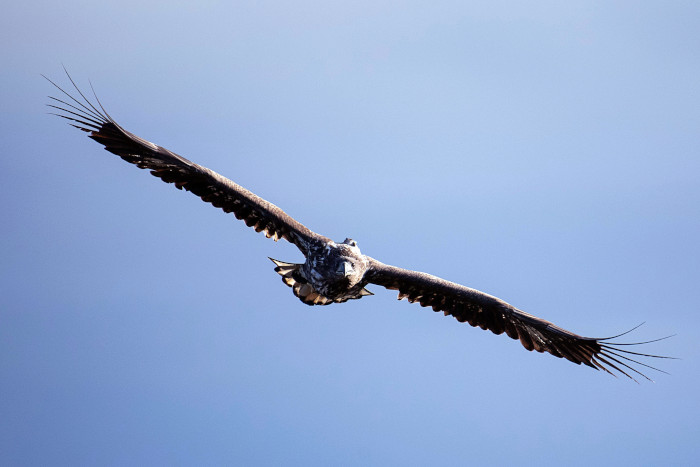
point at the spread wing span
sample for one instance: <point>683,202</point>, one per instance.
<point>493,314</point>
<point>336,272</point>
<point>211,187</point>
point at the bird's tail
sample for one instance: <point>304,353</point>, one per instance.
<point>300,287</point>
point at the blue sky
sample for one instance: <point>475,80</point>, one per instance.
<point>547,154</point>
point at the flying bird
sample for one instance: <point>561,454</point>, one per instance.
<point>338,272</point>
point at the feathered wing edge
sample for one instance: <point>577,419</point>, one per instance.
<point>491,313</point>
<point>171,168</point>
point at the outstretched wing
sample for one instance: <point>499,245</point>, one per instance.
<point>171,168</point>
<point>488,312</point>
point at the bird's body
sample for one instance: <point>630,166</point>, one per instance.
<point>332,273</point>
<point>337,272</point>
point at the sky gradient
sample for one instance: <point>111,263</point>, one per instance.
<point>548,155</point>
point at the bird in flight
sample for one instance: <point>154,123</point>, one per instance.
<point>338,272</point>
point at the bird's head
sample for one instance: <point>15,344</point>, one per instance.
<point>351,264</point>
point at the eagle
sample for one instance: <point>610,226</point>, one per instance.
<point>337,272</point>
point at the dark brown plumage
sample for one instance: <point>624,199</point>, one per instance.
<point>337,272</point>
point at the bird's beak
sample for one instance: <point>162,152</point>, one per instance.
<point>345,269</point>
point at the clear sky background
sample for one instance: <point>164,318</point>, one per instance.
<point>548,154</point>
